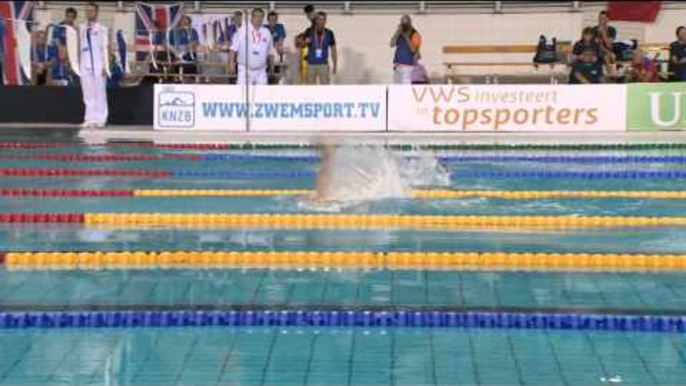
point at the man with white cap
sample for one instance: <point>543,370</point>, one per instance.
<point>94,68</point>
<point>255,52</point>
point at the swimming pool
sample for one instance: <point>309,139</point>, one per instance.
<point>536,265</point>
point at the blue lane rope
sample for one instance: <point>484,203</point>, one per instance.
<point>400,319</point>
<point>592,160</point>
<point>584,175</point>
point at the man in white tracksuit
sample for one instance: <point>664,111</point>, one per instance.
<point>93,68</point>
<point>255,52</point>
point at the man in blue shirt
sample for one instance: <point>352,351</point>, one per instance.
<point>184,41</point>
<point>320,41</point>
<point>278,31</point>
<point>606,35</point>
<point>60,71</point>
<point>586,70</point>
<point>677,55</point>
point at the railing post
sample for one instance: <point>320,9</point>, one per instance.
<point>422,7</point>
<point>347,8</point>
<point>197,6</point>
<point>576,6</point>
<point>498,7</point>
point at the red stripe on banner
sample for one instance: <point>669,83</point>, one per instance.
<point>161,16</point>
<point>10,65</point>
<point>46,218</point>
<point>641,11</point>
<point>83,173</point>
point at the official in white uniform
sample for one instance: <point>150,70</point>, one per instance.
<point>93,66</point>
<point>255,52</point>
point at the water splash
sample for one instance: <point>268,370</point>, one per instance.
<point>353,174</point>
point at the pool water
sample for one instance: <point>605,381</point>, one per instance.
<point>331,355</point>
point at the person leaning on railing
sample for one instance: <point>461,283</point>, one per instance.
<point>184,43</point>
<point>407,42</point>
<point>40,59</point>
<point>677,55</point>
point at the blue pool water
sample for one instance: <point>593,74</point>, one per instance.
<point>331,355</point>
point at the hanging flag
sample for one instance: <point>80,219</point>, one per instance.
<point>149,19</point>
<point>642,11</point>
<point>16,18</point>
<point>121,49</point>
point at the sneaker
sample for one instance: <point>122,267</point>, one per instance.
<point>99,125</point>
<point>86,125</point>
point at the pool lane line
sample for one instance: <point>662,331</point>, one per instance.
<point>562,159</point>
<point>285,307</point>
<point>310,174</point>
<point>360,318</point>
<point>361,260</point>
<point>335,221</point>
<point>408,147</point>
<point>416,194</point>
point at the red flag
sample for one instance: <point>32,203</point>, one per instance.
<point>643,11</point>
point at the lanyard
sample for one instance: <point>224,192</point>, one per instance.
<point>256,36</point>
<point>319,44</point>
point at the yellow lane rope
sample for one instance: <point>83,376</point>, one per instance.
<point>345,260</point>
<point>357,221</point>
<point>423,194</point>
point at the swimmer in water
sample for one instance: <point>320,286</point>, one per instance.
<point>322,189</point>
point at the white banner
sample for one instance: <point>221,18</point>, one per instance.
<point>520,108</point>
<point>272,108</point>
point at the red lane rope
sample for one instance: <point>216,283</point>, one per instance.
<point>104,158</point>
<point>64,193</point>
<point>84,173</point>
<point>193,146</point>
<point>2,257</point>
<point>47,218</point>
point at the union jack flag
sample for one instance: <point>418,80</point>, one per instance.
<point>152,18</point>
<point>13,14</point>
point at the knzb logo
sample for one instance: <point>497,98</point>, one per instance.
<point>176,109</point>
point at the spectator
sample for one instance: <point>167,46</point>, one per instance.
<point>279,36</point>
<point>184,42</point>
<point>407,42</point>
<point>606,36</point>
<point>60,71</point>
<point>236,24</point>
<point>39,59</point>
<point>677,55</point>
<point>300,41</point>
<point>588,42</point>
<point>257,56</point>
<point>642,70</point>
<point>278,32</point>
<point>319,42</point>
<point>93,74</point>
<point>586,70</point>
<point>116,73</point>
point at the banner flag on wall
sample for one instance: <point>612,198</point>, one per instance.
<point>151,19</point>
<point>642,11</point>
<point>16,18</point>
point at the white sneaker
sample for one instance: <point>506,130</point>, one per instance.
<point>99,125</point>
<point>87,125</point>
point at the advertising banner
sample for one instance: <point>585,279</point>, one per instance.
<point>656,107</point>
<point>270,108</point>
<point>508,108</point>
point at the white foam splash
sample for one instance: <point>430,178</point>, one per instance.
<point>365,173</point>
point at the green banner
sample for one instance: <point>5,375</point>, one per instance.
<point>654,107</point>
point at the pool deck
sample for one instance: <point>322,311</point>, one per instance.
<point>147,134</point>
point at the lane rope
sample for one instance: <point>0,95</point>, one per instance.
<point>286,146</point>
<point>587,160</point>
<point>295,174</point>
<point>336,221</point>
<point>344,318</point>
<point>453,261</point>
<point>417,194</point>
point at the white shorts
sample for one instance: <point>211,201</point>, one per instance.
<point>402,74</point>
<point>254,77</point>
